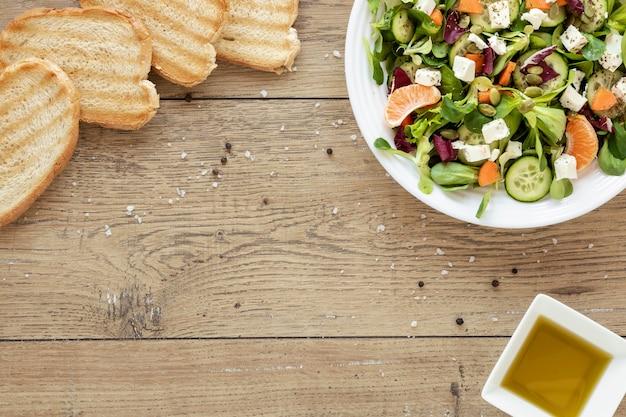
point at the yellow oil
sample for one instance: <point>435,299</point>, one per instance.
<point>555,369</point>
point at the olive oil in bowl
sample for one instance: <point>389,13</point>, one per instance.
<point>555,369</point>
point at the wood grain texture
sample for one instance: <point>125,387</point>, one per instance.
<point>155,278</point>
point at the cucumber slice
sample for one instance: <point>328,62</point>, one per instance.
<point>525,182</point>
<point>555,17</point>
<point>606,79</point>
<point>461,47</point>
<point>594,16</point>
<point>554,61</point>
<point>483,20</point>
<point>402,26</point>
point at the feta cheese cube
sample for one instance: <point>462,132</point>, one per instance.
<point>426,6</point>
<point>475,153</point>
<point>579,76</point>
<point>572,99</point>
<point>619,89</point>
<point>572,39</point>
<point>494,154</point>
<point>498,45</point>
<point>534,17</point>
<point>477,41</point>
<point>464,69</point>
<point>458,144</point>
<point>499,14</point>
<point>428,76</point>
<point>514,147</point>
<point>565,167</point>
<point>495,130</point>
<point>612,57</point>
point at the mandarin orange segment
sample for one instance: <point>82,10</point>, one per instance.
<point>405,100</point>
<point>582,141</point>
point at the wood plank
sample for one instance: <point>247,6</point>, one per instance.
<point>281,247</point>
<point>321,28</point>
<point>295,377</point>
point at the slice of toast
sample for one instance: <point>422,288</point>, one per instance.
<point>39,119</point>
<point>260,35</point>
<point>182,34</point>
<point>105,52</point>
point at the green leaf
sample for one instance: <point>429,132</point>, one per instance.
<point>475,121</point>
<point>608,163</point>
<point>484,202</point>
<point>454,174</point>
<point>617,141</point>
<point>506,106</point>
<point>425,25</point>
<point>453,112</point>
<point>559,189</point>
<point>382,144</point>
<point>450,84</point>
<point>594,48</point>
<point>551,122</point>
<point>373,5</point>
<point>377,71</point>
<point>440,50</point>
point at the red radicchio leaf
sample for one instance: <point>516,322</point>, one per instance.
<point>490,57</point>
<point>576,6</point>
<point>538,59</point>
<point>399,78</point>
<point>600,123</point>
<point>401,143</point>
<point>453,31</point>
<point>444,148</point>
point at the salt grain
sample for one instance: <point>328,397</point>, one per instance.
<point>336,54</point>
<point>414,323</point>
<point>335,210</point>
<point>107,230</point>
<point>472,259</point>
<point>444,272</point>
<point>590,246</point>
<point>183,155</point>
<point>263,93</point>
<point>380,228</point>
<point>554,241</point>
<point>438,251</point>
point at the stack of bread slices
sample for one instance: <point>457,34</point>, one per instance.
<point>91,64</point>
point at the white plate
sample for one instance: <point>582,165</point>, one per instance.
<point>591,189</point>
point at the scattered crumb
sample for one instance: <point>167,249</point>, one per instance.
<point>107,230</point>
<point>554,241</point>
<point>472,259</point>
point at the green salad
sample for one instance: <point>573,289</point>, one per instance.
<point>515,94</point>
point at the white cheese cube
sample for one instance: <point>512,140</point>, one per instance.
<point>458,144</point>
<point>565,167</point>
<point>477,41</point>
<point>514,147</point>
<point>572,39</point>
<point>464,69</point>
<point>534,17</point>
<point>499,14</point>
<point>498,45</point>
<point>612,57</point>
<point>495,130</point>
<point>619,89</point>
<point>475,153</point>
<point>428,76</point>
<point>494,154</point>
<point>426,6</point>
<point>572,99</point>
<point>579,76</point>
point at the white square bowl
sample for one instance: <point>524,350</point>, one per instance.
<point>611,387</point>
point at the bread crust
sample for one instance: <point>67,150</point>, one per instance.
<point>171,24</point>
<point>21,39</point>
<point>260,35</point>
<point>51,149</point>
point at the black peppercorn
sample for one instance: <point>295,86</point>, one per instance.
<point>459,321</point>
<point>495,283</point>
<point>420,284</point>
<point>224,159</point>
<point>228,146</point>
<point>329,151</point>
<point>514,271</point>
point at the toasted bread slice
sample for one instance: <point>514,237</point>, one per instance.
<point>39,118</point>
<point>259,35</point>
<point>182,34</point>
<point>105,52</point>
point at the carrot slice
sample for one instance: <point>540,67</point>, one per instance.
<point>505,75</point>
<point>488,173</point>
<point>470,6</point>
<point>437,17</point>
<point>484,96</point>
<point>538,4</point>
<point>479,59</point>
<point>603,99</point>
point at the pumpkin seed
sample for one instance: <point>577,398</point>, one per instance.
<point>535,69</point>
<point>450,134</point>
<point>464,21</point>
<point>533,91</point>
<point>476,29</point>
<point>534,79</point>
<point>494,96</point>
<point>487,109</point>
<point>553,13</point>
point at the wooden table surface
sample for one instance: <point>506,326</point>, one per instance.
<point>286,281</point>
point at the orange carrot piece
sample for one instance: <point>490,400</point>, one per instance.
<point>538,4</point>
<point>407,121</point>
<point>437,17</point>
<point>484,96</point>
<point>488,173</point>
<point>603,99</point>
<point>505,75</point>
<point>479,59</point>
<point>470,6</point>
